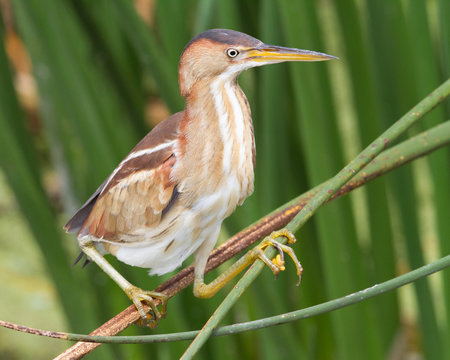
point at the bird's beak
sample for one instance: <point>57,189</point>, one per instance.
<point>274,54</point>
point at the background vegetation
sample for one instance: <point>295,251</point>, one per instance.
<point>82,81</point>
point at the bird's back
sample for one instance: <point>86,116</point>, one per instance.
<point>125,199</point>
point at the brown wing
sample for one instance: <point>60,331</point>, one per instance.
<point>138,192</point>
<point>135,202</point>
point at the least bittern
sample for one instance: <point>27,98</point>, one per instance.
<point>167,199</point>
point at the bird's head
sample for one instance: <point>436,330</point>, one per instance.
<point>222,52</point>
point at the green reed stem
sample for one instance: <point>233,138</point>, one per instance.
<point>346,174</point>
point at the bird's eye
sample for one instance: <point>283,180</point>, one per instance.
<point>232,52</point>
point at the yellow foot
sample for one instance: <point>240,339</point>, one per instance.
<point>277,263</point>
<point>148,318</point>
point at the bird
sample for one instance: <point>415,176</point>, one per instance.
<point>169,196</point>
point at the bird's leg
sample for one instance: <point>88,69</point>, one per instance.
<point>203,290</point>
<point>136,295</point>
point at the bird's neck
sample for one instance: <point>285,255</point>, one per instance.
<point>217,136</point>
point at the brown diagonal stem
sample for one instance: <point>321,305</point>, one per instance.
<point>387,161</point>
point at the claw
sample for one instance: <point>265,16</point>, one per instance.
<point>277,264</point>
<point>148,318</point>
<point>286,233</point>
<point>279,261</point>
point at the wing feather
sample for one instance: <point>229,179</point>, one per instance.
<point>137,193</point>
<point>125,210</point>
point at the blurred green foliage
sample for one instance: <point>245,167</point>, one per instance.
<point>98,66</point>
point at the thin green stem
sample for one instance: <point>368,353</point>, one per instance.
<point>390,159</point>
<point>369,153</point>
<point>399,155</point>
<point>311,311</point>
<point>346,174</point>
<point>225,306</point>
